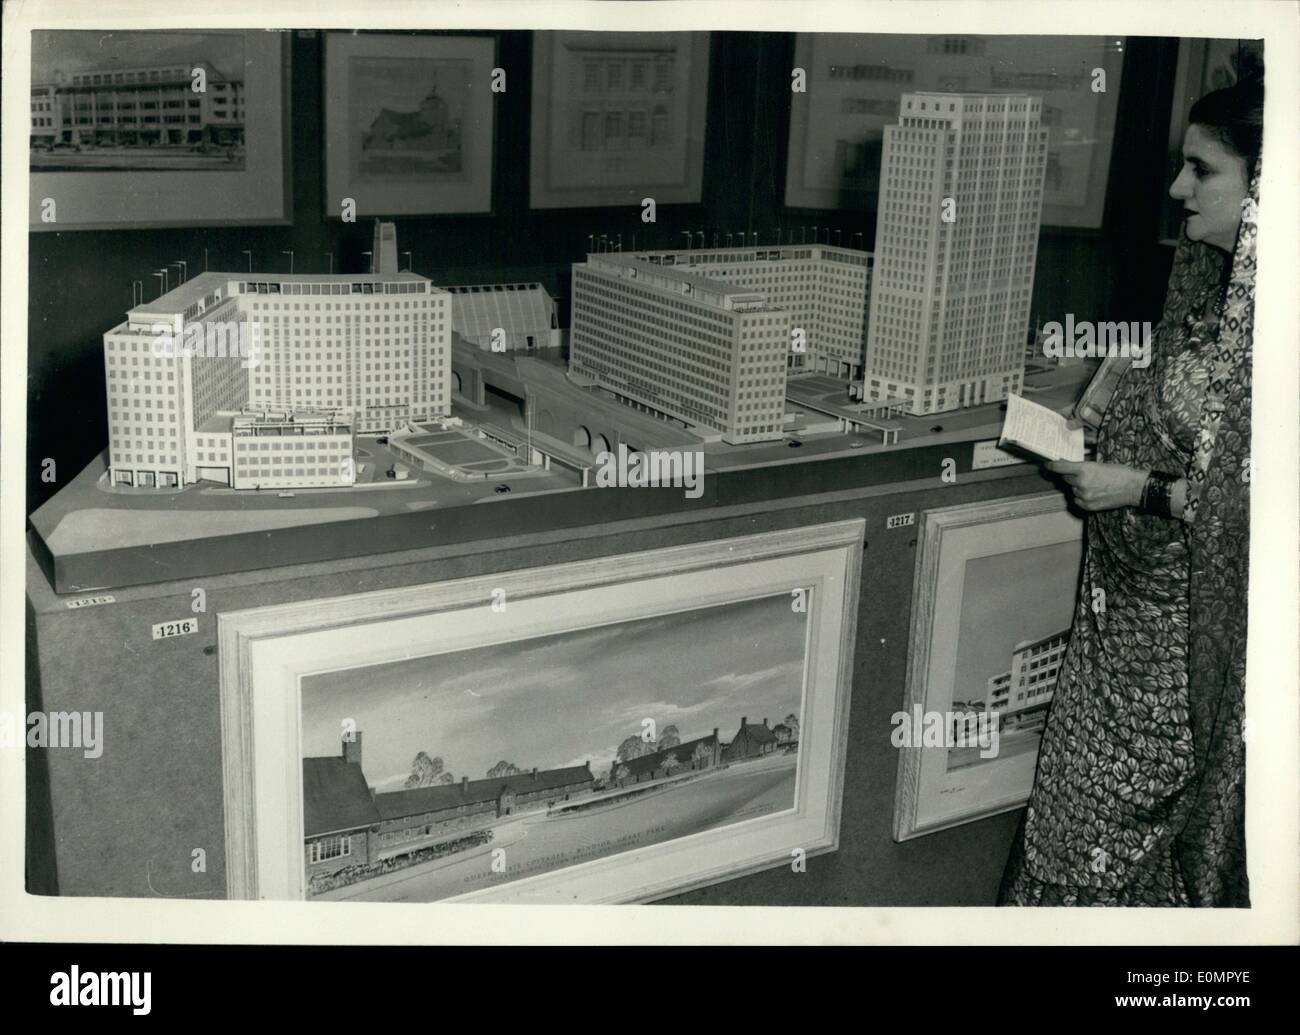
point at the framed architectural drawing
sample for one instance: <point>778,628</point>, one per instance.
<point>994,597</point>
<point>158,128</point>
<point>1203,65</point>
<point>618,116</point>
<point>612,730</point>
<point>854,83</point>
<point>408,123</point>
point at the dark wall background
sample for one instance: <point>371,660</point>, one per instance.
<point>80,281</point>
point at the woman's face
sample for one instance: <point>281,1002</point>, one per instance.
<point>1212,186</point>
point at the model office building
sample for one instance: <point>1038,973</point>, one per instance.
<point>376,346</point>
<point>733,314</point>
<point>951,289</point>
<point>825,288</point>
<point>334,355</point>
<point>681,345</point>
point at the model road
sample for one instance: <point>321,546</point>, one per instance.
<point>538,844</point>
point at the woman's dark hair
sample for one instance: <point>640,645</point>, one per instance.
<point>1235,116</point>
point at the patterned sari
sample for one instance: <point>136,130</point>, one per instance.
<point>1139,797</point>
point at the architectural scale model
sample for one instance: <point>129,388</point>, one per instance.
<point>961,193</point>
<point>262,380</point>
<point>269,378</point>
<point>706,337</point>
<point>505,317</point>
<point>825,288</point>
<point>681,344</point>
<point>948,285</point>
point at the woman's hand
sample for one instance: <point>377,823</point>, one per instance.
<point>1098,486</point>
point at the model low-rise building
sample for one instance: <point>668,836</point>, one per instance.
<point>505,317</point>
<point>292,450</point>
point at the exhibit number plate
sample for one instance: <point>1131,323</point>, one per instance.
<point>90,601</point>
<point>166,630</point>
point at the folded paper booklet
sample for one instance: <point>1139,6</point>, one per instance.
<point>1039,430</point>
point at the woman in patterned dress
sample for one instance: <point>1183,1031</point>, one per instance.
<point>1139,797</point>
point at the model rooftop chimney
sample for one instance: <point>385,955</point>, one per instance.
<point>383,253</point>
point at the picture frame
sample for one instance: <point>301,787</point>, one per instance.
<point>695,624</point>
<point>101,161</point>
<point>618,116</point>
<point>993,602</point>
<point>409,123</point>
<point>854,82</point>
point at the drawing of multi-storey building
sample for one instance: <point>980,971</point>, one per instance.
<point>1031,680</point>
<point>956,240</point>
<point>261,380</point>
<point>139,107</point>
<point>681,345</point>
<point>620,98</point>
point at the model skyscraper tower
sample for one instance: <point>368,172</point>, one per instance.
<point>961,193</point>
